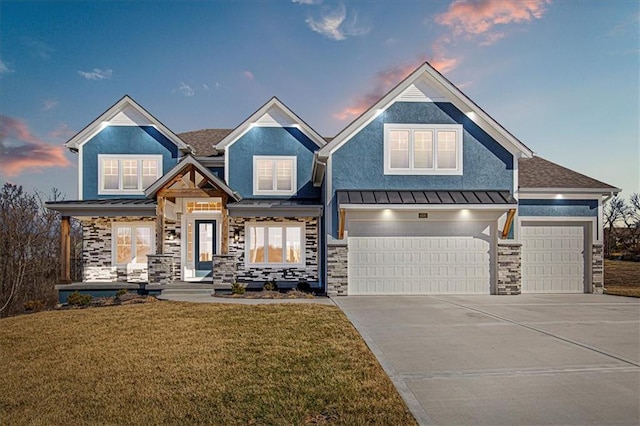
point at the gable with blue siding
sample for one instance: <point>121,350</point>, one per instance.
<point>142,140</point>
<point>267,141</point>
<point>359,163</point>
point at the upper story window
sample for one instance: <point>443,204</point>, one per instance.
<point>422,149</point>
<point>274,175</point>
<point>127,174</point>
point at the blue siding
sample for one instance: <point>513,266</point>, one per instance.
<point>144,140</point>
<point>359,164</point>
<point>581,208</point>
<point>271,141</point>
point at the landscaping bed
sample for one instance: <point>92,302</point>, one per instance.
<point>181,363</point>
<point>622,278</point>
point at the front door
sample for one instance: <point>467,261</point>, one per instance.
<point>205,246</point>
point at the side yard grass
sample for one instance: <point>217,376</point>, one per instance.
<point>184,363</point>
<point>622,278</point>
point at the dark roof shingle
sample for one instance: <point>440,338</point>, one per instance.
<point>537,172</point>
<point>204,141</point>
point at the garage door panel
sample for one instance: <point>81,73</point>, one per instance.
<point>553,259</point>
<point>419,265</point>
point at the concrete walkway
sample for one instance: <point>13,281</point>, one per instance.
<point>529,359</point>
<point>198,298</point>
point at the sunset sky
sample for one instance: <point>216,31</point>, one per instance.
<point>562,76</point>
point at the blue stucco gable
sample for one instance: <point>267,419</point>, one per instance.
<point>359,163</point>
<point>271,141</point>
<point>142,140</point>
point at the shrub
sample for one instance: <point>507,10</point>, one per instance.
<point>238,288</point>
<point>270,286</point>
<point>304,287</point>
<point>77,299</point>
<point>34,305</point>
<point>121,292</point>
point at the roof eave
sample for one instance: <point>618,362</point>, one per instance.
<point>604,191</point>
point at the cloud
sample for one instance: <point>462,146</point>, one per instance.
<point>186,89</point>
<point>383,81</point>
<point>22,151</point>
<point>248,75</point>
<point>38,48</point>
<point>4,68</point>
<point>476,19</point>
<point>334,24</point>
<point>307,2</point>
<point>49,104</point>
<point>97,74</point>
<point>62,131</point>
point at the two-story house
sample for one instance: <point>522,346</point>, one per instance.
<point>424,193</point>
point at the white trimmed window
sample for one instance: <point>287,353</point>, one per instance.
<point>274,175</point>
<point>127,174</point>
<point>422,149</point>
<point>274,244</point>
<point>132,242</point>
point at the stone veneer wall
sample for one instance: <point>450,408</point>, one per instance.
<point>161,268</point>
<point>509,269</point>
<point>224,269</point>
<point>597,268</point>
<point>237,248</point>
<point>337,268</point>
<point>96,250</point>
<point>172,244</point>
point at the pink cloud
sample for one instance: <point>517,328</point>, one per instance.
<point>476,18</point>
<point>62,131</point>
<point>22,150</point>
<point>248,75</point>
<point>385,80</point>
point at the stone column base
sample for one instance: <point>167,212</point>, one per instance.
<point>160,268</point>
<point>337,268</point>
<point>597,269</point>
<point>225,268</point>
<point>509,269</point>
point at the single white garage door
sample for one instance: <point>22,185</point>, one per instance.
<point>419,265</point>
<point>553,259</point>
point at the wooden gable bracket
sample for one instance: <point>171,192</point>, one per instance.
<point>341,224</point>
<point>508,223</point>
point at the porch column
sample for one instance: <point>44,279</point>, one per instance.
<point>224,246</point>
<point>65,250</point>
<point>160,226</point>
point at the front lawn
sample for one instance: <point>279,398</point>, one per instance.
<point>185,363</point>
<point>622,278</point>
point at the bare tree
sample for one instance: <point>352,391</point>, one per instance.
<point>622,225</point>
<point>29,249</point>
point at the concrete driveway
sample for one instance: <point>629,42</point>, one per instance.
<point>528,359</point>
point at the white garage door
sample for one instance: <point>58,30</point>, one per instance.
<point>419,265</point>
<point>553,259</point>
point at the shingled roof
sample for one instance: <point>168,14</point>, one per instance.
<point>203,141</point>
<point>537,172</point>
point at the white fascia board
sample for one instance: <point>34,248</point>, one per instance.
<point>98,124</point>
<point>423,207</point>
<point>247,124</point>
<point>559,196</point>
<point>452,93</point>
<point>527,192</point>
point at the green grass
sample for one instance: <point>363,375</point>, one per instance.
<point>178,363</point>
<point>622,278</point>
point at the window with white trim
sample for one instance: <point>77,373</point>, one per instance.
<point>132,242</point>
<point>127,174</point>
<point>422,149</point>
<point>274,244</point>
<point>274,175</point>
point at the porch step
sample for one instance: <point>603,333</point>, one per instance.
<point>186,291</point>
